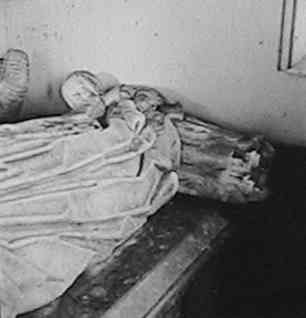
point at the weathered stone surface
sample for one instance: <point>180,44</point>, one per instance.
<point>221,164</point>
<point>14,81</point>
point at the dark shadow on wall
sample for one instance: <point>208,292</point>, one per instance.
<point>261,271</point>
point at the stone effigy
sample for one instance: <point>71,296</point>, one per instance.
<point>73,187</point>
<point>214,162</point>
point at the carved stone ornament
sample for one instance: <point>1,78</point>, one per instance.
<point>14,80</point>
<point>73,187</point>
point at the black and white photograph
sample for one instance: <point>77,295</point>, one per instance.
<point>152,158</point>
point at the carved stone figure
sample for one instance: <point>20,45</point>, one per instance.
<point>212,161</point>
<point>73,187</point>
<point>14,80</point>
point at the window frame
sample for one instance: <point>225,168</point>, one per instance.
<point>292,41</point>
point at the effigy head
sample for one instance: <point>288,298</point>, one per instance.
<point>81,92</point>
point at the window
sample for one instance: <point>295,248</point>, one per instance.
<point>292,44</point>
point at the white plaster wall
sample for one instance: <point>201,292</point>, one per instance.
<point>219,54</point>
<point>3,28</point>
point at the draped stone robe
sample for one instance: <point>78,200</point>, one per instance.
<point>71,191</point>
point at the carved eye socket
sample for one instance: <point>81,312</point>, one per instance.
<point>77,94</point>
<point>91,94</point>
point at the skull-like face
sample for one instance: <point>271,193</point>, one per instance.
<point>81,93</point>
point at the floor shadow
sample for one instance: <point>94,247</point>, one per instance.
<point>261,270</point>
